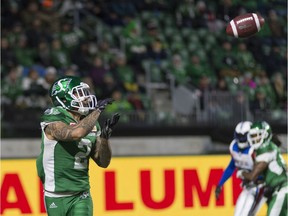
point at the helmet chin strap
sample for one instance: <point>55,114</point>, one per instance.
<point>62,104</point>
<point>81,110</point>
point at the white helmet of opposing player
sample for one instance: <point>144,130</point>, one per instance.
<point>241,132</point>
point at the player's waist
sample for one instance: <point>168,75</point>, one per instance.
<point>251,184</point>
<point>61,194</point>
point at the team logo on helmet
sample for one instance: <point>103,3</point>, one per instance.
<point>60,86</point>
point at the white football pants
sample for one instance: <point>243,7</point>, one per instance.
<point>249,201</point>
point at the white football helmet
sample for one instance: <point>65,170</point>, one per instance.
<point>241,132</point>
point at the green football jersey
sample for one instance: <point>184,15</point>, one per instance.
<point>63,166</point>
<point>276,171</point>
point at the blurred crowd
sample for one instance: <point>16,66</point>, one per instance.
<point>111,45</point>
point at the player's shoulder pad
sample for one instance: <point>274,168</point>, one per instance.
<point>265,147</point>
<point>52,114</point>
<point>232,146</point>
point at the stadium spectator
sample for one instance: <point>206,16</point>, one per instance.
<point>106,52</point>
<point>240,107</point>
<point>155,6</point>
<point>139,103</point>
<point>275,24</point>
<point>50,18</point>
<point>136,48</point>
<point>34,90</point>
<point>122,8</point>
<point>221,85</point>
<point>280,90</point>
<point>261,104</point>
<point>34,11</point>
<point>97,72</point>
<point>71,70</point>
<point>30,13</point>
<point>16,34</point>
<point>216,110</point>
<point>10,14</point>
<point>11,87</point>
<point>43,54</point>
<point>214,24</point>
<point>263,81</point>
<point>120,105</point>
<point>226,10</point>
<point>112,19</point>
<point>224,60</point>
<point>124,73</point>
<point>185,13</point>
<point>50,77</point>
<point>81,57</point>
<point>109,86</point>
<point>24,54</point>
<point>248,85</point>
<point>204,86</point>
<point>245,59</point>
<point>202,13</point>
<point>178,69</point>
<point>135,99</point>
<point>275,61</point>
<point>195,69</point>
<point>70,37</point>
<point>59,56</point>
<point>152,32</point>
<point>156,51</point>
<point>35,33</point>
<point>8,57</point>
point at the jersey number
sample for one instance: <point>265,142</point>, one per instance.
<point>81,161</point>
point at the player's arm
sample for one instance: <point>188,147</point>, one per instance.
<point>226,175</point>
<point>64,132</point>
<point>258,168</point>
<point>228,172</point>
<point>102,155</point>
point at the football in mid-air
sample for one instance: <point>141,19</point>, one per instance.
<point>245,25</point>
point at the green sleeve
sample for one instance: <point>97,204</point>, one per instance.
<point>57,114</point>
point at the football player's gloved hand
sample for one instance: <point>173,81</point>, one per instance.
<point>109,124</point>
<point>218,191</point>
<point>239,174</point>
<point>101,104</point>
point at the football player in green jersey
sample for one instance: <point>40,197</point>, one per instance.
<point>271,164</point>
<point>71,135</point>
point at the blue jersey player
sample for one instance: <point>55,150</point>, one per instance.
<point>242,158</point>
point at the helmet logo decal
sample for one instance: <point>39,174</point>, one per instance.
<point>60,86</point>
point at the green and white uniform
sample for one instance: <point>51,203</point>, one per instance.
<point>63,166</point>
<point>275,177</point>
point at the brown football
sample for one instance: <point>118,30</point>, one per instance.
<point>245,25</point>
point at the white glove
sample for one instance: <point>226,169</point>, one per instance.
<point>239,174</point>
